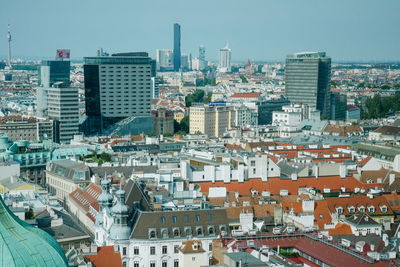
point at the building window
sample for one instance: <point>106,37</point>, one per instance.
<point>152,264</point>
<point>197,218</point>
<point>176,249</point>
<point>186,218</point>
<point>164,263</point>
<point>176,263</point>
<point>173,219</point>
<point>162,219</point>
<point>152,250</point>
<point>176,233</point>
<point>124,251</point>
<point>164,250</point>
<point>193,258</point>
<point>136,264</point>
<point>152,234</point>
<point>210,247</point>
<point>136,251</point>
<point>124,264</point>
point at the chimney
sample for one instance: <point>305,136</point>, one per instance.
<point>343,171</point>
<point>93,248</point>
<point>316,171</point>
<point>294,176</point>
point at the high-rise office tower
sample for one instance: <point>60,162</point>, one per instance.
<point>202,57</point>
<point>117,87</point>
<point>224,59</point>
<point>9,46</point>
<point>63,108</point>
<point>52,71</point>
<point>177,47</point>
<point>307,79</point>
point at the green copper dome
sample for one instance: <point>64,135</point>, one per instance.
<point>22,244</point>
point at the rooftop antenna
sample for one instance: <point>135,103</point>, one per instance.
<point>9,46</point>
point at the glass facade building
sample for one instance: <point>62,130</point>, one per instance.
<point>117,87</point>
<point>307,79</point>
<point>52,71</point>
<point>177,47</point>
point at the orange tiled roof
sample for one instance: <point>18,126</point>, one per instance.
<point>364,161</point>
<point>274,185</point>
<point>105,257</point>
<point>341,229</point>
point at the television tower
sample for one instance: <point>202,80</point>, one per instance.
<point>9,46</point>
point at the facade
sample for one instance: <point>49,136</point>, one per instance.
<point>353,112</point>
<point>63,108</point>
<point>224,59</point>
<point>202,58</point>
<point>209,120</point>
<point>52,71</point>
<point>155,88</point>
<point>307,80</point>
<point>65,176</point>
<point>265,109</point>
<point>186,62</point>
<point>117,87</point>
<point>242,116</point>
<point>156,236</point>
<point>30,129</point>
<point>177,47</point>
<point>163,121</point>
<point>338,106</point>
<point>165,59</point>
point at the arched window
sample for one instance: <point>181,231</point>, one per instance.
<point>211,230</point>
<point>165,233</point>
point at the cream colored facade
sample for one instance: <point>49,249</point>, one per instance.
<point>178,116</point>
<point>212,121</point>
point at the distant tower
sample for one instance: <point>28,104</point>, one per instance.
<point>177,47</point>
<point>9,46</point>
<point>225,59</point>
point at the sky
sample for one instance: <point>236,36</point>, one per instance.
<point>260,30</point>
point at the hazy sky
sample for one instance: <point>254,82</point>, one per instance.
<point>367,30</point>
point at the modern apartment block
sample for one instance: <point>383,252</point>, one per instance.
<point>52,71</point>
<point>307,79</point>
<point>117,87</point>
<point>62,107</point>
<point>210,120</point>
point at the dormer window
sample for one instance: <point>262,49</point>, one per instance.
<point>152,233</point>
<point>188,231</point>
<point>371,209</point>
<point>164,233</point>
<point>351,209</point>
<point>339,210</point>
<point>362,209</point>
<point>176,232</point>
<point>199,230</point>
<point>383,209</point>
<point>211,230</point>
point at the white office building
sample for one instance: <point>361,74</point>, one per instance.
<point>224,59</point>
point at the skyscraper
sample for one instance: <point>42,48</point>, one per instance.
<point>52,71</point>
<point>224,59</point>
<point>9,46</point>
<point>307,79</point>
<point>165,59</point>
<point>177,47</point>
<point>202,57</point>
<point>117,87</point>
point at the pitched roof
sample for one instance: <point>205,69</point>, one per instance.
<point>276,184</point>
<point>191,246</point>
<point>341,229</point>
<point>105,257</point>
<point>388,130</point>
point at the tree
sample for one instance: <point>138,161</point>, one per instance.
<point>197,96</point>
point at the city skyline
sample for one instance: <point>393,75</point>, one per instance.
<point>266,31</point>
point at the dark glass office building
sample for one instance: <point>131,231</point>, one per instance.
<point>177,47</point>
<point>338,106</point>
<point>52,71</point>
<point>117,87</point>
<point>266,107</point>
<point>307,79</point>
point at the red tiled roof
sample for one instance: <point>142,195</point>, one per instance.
<point>105,257</point>
<point>88,198</point>
<point>349,107</point>
<point>274,185</point>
